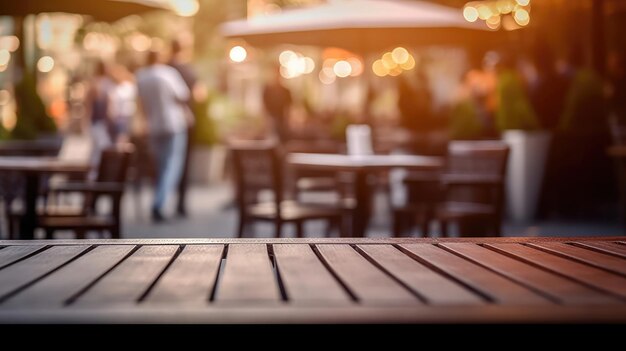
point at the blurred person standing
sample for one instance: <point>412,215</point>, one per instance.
<point>277,100</point>
<point>164,99</point>
<point>98,109</point>
<point>122,103</point>
<point>179,60</point>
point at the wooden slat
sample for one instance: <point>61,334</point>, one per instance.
<point>497,288</point>
<point>369,284</point>
<point>610,263</point>
<point>130,279</point>
<point>563,290</point>
<point>63,284</point>
<point>432,286</point>
<point>189,279</point>
<point>604,246</point>
<point>24,272</point>
<point>580,272</point>
<point>11,254</point>
<point>248,276</point>
<point>304,277</point>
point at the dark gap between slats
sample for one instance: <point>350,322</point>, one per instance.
<point>145,294</point>
<point>345,287</point>
<point>529,262</point>
<point>82,291</point>
<point>444,273</point>
<point>595,249</point>
<point>551,298</point>
<point>389,274</point>
<point>218,276</point>
<point>279,280</point>
<point>619,243</point>
<point>27,256</point>
<point>32,282</point>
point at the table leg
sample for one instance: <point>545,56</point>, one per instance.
<point>28,222</point>
<point>360,219</point>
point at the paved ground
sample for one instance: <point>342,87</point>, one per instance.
<point>212,215</point>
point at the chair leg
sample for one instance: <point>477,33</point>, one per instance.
<point>278,228</point>
<point>80,233</point>
<point>398,224</point>
<point>49,233</point>
<point>115,233</point>
<point>425,226</point>
<point>242,227</point>
<point>444,228</point>
<point>299,229</point>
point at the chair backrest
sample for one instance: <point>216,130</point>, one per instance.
<point>257,166</point>
<point>477,158</point>
<point>114,163</point>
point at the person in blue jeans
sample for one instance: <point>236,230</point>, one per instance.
<point>163,97</point>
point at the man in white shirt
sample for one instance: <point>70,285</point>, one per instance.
<point>163,95</point>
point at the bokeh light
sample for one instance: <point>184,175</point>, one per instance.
<point>9,42</point>
<point>342,68</point>
<point>327,76</point>
<point>185,8</point>
<point>388,61</point>
<point>45,64</point>
<point>238,54</point>
<point>522,17</point>
<point>357,66</point>
<point>5,57</point>
<point>484,12</point>
<point>470,13</point>
<point>494,22</point>
<point>409,65</point>
<point>379,68</point>
<point>400,55</point>
<point>523,2</point>
<point>286,56</point>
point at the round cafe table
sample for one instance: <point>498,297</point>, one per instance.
<point>32,168</point>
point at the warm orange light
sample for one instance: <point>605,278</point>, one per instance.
<point>342,69</point>
<point>522,17</point>
<point>494,22</point>
<point>523,2</point>
<point>470,13</point>
<point>409,65</point>
<point>400,55</point>
<point>286,56</point>
<point>45,64</point>
<point>238,54</point>
<point>357,66</point>
<point>388,61</point>
<point>379,68</point>
<point>5,57</point>
<point>484,12</point>
<point>505,6</point>
<point>327,76</point>
<point>185,8</point>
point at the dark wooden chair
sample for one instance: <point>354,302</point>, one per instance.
<point>110,182</point>
<point>258,168</point>
<point>469,190</point>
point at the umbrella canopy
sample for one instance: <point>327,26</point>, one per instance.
<point>361,26</point>
<point>103,10</point>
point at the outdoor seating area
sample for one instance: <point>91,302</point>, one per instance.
<point>313,162</point>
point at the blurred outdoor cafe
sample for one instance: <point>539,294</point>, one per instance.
<point>350,118</point>
<point>312,161</point>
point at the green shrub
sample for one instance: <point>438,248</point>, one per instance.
<point>584,104</point>
<point>205,132</point>
<point>464,123</point>
<point>514,108</point>
<point>32,118</point>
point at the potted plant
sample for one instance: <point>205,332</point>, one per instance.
<point>529,144</point>
<point>203,138</point>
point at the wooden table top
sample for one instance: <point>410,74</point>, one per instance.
<point>350,162</point>
<point>42,165</point>
<point>491,280</point>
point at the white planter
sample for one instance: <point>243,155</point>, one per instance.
<point>527,159</point>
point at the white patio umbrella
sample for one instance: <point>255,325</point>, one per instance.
<point>362,26</point>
